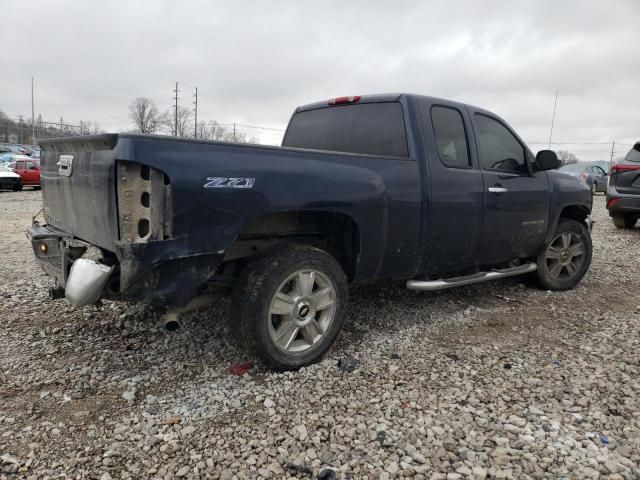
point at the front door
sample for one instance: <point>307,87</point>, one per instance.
<point>599,178</point>
<point>516,200</point>
<point>19,168</point>
<point>30,173</point>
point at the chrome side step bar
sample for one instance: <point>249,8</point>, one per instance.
<point>432,285</point>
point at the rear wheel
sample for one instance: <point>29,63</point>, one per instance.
<point>288,306</point>
<point>624,221</point>
<point>566,258</point>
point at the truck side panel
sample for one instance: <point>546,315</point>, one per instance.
<point>382,195</point>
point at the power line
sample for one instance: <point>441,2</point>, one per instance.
<point>262,128</point>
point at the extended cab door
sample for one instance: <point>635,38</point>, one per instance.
<point>516,200</point>
<point>454,191</point>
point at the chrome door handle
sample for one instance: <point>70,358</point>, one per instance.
<point>498,189</point>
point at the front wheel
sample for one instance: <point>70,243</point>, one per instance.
<point>288,306</point>
<point>566,258</point>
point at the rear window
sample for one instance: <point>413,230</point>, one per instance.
<point>634,154</point>
<point>451,138</point>
<point>368,128</point>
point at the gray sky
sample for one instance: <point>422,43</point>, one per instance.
<point>253,62</point>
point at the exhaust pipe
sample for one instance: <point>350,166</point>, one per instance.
<point>171,318</point>
<point>56,293</point>
<point>86,282</point>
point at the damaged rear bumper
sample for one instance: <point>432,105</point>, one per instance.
<point>163,273</point>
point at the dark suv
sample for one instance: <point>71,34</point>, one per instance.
<point>623,190</point>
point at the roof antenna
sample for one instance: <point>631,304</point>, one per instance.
<point>553,119</point>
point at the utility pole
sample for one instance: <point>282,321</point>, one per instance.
<point>175,118</point>
<point>195,126</point>
<point>613,145</point>
<point>20,126</point>
<point>553,119</point>
<point>33,116</point>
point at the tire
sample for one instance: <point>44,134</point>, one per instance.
<point>17,188</point>
<point>279,281</point>
<point>566,258</point>
<point>624,220</point>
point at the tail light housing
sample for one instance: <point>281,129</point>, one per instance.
<point>624,168</point>
<point>144,203</point>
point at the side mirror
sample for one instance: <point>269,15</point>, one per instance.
<point>547,160</point>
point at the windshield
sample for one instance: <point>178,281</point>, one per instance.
<point>3,168</point>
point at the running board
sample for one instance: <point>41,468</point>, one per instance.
<point>432,285</point>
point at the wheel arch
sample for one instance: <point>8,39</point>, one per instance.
<point>576,212</point>
<point>334,232</point>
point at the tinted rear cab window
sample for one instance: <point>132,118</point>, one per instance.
<point>368,128</point>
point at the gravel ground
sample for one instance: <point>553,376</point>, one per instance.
<point>497,380</point>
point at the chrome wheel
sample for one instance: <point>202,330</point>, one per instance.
<point>565,255</point>
<point>302,310</point>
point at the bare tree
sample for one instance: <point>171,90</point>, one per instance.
<point>144,114</point>
<point>184,123</point>
<point>566,157</point>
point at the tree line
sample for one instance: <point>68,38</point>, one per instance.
<point>22,131</point>
<point>148,120</point>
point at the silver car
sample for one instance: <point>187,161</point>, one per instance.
<point>591,173</point>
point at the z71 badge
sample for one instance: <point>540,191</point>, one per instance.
<point>229,182</point>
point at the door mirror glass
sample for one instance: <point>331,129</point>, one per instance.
<point>547,160</point>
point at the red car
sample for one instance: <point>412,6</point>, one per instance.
<point>28,169</point>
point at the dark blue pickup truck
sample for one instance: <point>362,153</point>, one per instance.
<point>365,188</point>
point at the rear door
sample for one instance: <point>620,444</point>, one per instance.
<point>454,192</point>
<point>516,200</point>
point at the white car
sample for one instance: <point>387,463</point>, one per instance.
<point>9,180</point>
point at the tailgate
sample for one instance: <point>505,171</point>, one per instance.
<point>78,187</point>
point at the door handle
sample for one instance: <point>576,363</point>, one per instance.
<point>498,190</point>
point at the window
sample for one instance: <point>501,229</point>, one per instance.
<point>451,139</point>
<point>497,147</point>
<point>597,170</point>
<point>31,166</point>
<point>634,154</point>
<point>368,128</point>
